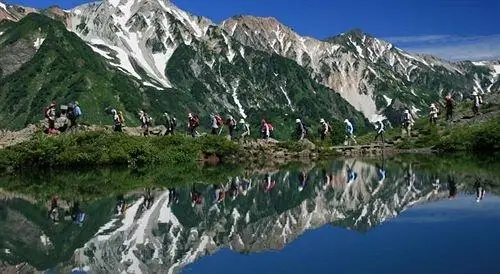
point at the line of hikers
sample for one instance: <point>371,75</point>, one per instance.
<point>68,115</point>
<point>61,120</point>
<point>450,105</point>
<point>408,120</point>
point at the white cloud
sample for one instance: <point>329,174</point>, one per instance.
<point>452,47</point>
<point>416,39</point>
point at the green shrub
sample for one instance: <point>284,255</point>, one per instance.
<point>102,149</point>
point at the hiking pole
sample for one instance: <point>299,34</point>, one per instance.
<point>220,131</point>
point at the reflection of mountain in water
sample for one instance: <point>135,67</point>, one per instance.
<point>252,214</point>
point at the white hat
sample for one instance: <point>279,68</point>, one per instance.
<point>190,115</point>
<point>346,121</point>
<point>407,111</point>
<point>474,93</point>
<point>321,120</point>
<point>433,105</point>
<point>165,114</point>
<point>113,111</point>
<point>242,121</point>
<point>297,120</point>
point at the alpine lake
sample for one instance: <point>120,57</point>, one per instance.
<point>400,214</point>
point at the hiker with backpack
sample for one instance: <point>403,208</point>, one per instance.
<point>265,129</point>
<point>76,112</point>
<point>62,122</point>
<point>71,115</point>
<point>117,123</point>
<point>50,115</point>
<point>349,131</point>
<point>477,102</point>
<point>433,114</point>
<point>231,124</point>
<point>326,129</point>
<point>300,130</point>
<point>407,122</point>
<point>245,129</point>
<point>450,105</point>
<point>170,124</point>
<point>145,122</point>
<point>214,124</point>
<point>193,123</point>
<point>379,126</point>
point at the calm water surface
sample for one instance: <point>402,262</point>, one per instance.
<point>403,215</point>
<point>450,236</point>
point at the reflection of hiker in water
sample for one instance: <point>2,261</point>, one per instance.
<point>196,197</point>
<point>479,190</point>
<point>120,205</point>
<point>77,215</point>
<point>54,209</point>
<point>351,174</point>
<point>245,185</point>
<point>328,179</point>
<point>452,187</point>
<point>172,196</point>
<point>302,180</point>
<point>268,183</point>
<point>233,189</point>
<point>436,184</point>
<point>381,172</point>
<point>411,178</point>
<point>148,199</point>
<point>219,194</point>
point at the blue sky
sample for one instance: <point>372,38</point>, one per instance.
<point>453,29</point>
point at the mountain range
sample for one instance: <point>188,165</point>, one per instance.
<point>132,54</point>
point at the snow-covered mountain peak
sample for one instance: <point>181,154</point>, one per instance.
<point>138,34</point>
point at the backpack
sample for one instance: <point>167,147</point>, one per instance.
<point>196,120</point>
<point>219,120</point>
<point>77,111</point>
<point>71,112</point>
<point>46,112</point>
<point>329,128</point>
<point>449,102</point>
<point>121,120</point>
<point>231,122</point>
<point>270,126</point>
<point>173,122</point>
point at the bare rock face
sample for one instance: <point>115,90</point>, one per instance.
<point>13,13</point>
<point>10,138</point>
<point>13,56</point>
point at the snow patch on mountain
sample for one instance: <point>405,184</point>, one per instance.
<point>103,53</point>
<point>237,101</point>
<point>38,42</point>
<point>148,84</point>
<point>167,217</point>
<point>387,99</point>
<point>45,240</point>
<point>287,98</point>
<point>496,68</point>
<point>122,56</point>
